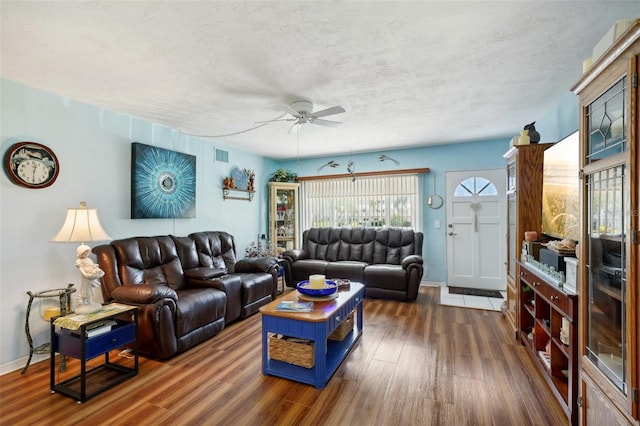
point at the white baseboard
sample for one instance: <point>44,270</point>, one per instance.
<point>432,284</point>
<point>18,364</point>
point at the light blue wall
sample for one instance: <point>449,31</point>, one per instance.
<point>94,149</point>
<point>562,119</point>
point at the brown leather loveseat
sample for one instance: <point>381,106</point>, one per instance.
<point>187,288</point>
<point>388,261</point>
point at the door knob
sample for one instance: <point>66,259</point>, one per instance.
<point>452,233</point>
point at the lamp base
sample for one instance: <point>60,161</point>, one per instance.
<point>88,308</point>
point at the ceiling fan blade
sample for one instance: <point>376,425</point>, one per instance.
<point>294,128</point>
<point>328,111</point>
<point>327,123</point>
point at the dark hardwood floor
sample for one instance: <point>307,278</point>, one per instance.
<point>416,364</point>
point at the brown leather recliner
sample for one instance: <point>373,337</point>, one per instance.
<point>388,261</point>
<point>182,300</point>
<point>248,283</point>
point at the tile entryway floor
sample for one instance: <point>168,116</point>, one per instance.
<point>475,302</point>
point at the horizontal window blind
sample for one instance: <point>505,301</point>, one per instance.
<point>366,201</point>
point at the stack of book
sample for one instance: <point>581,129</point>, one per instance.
<point>96,328</point>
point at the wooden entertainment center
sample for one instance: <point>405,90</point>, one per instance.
<point>586,345</point>
<point>536,305</point>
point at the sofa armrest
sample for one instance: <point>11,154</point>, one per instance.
<point>295,255</point>
<point>410,260</point>
<point>204,273</point>
<point>256,264</point>
<point>143,293</point>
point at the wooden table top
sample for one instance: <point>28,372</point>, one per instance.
<point>322,310</point>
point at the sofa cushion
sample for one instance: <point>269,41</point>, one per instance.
<point>391,277</point>
<point>255,286</point>
<point>149,260</point>
<point>353,271</point>
<point>216,249</point>
<point>197,308</point>
<point>303,268</point>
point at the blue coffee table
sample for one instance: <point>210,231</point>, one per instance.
<point>315,326</point>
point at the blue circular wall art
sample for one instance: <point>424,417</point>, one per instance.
<point>163,183</point>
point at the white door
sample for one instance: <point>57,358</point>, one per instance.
<point>476,242</point>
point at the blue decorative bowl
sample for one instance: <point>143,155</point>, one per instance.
<point>330,287</point>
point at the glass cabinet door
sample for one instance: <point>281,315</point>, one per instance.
<point>607,226</point>
<point>283,216</point>
<point>607,283</point>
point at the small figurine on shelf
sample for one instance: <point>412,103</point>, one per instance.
<point>251,176</point>
<point>227,182</point>
<point>524,137</point>
<point>534,136</point>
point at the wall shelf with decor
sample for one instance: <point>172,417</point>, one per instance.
<point>237,194</point>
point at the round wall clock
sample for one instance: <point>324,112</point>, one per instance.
<point>31,165</point>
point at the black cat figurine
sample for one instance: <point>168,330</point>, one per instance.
<point>534,136</point>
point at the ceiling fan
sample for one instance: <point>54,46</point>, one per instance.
<point>302,113</point>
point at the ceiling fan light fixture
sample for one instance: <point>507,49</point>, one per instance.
<point>301,107</point>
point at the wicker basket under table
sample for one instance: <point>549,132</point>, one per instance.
<point>343,329</point>
<point>292,351</point>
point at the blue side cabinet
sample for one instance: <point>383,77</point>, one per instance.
<point>94,376</point>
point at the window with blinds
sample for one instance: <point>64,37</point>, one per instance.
<point>368,201</point>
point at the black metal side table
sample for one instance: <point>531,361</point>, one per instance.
<point>64,297</point>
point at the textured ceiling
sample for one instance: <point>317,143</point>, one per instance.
<point>407,73</point>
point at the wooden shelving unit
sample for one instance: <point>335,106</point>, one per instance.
<point>543,307</point>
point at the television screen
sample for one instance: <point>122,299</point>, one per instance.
<point>560,189</point>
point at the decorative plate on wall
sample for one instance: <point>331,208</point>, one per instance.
<point>239,178</point>
<point>163,183</point>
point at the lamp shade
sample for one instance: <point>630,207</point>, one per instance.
<point>81,225</point>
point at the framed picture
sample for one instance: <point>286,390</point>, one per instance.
<point>163,183</point>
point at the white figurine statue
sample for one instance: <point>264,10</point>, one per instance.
<point>91,274</point>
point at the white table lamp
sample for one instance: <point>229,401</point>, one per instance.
<point>83,225</point>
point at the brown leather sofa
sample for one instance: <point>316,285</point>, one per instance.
<point>187,288</point>
<point>388,261</point>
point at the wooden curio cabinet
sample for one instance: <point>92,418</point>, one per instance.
<point>524,198</point>
<point>610,259</point>
<point>283,215</point>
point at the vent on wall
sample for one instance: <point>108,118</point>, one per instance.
<point>222,156</point>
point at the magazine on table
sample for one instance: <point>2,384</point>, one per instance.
<point>294,306</point>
